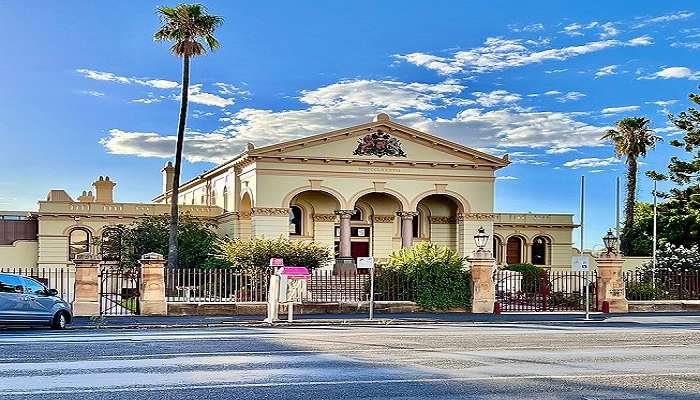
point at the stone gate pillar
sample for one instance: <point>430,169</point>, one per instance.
<point>86,287</point>
<point>152,285</point>
<point>611,287</point>
<point>483,287</point>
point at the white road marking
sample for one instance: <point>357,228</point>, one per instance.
<point>344,382</point>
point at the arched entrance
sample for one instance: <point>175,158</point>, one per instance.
<point>540,250</point>
<point>514,250</point>
<point>244,214</point>
<point>375,228</point>
<point>312,217</point>
<point>437,220</point>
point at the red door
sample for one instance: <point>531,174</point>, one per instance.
<point>359,249</point>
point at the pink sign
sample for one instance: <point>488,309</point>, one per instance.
<point>295,272</point>
<point>276,262</point>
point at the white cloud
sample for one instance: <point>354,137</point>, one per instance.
<point>556,71</point>
<point>674,73</point>
<point>617,110</point>
<point>607,70</point>
<point>93,93</point>
<point>108,76</point>
<point>609,30</point>
<point>560,150</point>
<point>591,162</point>
<point>353,102</point>
<point>596,171</point>
<point>687,45</point>
<point>148,100</point>
<point>570,96</point>
<point>196,95</point>
<point>496,97</point>
<point>677,16</point>
<point>499,54</point>
<point>536,27</point>
<point>506,178</point>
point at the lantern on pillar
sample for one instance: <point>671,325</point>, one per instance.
<point>610,242</point>
<point>481,238</point>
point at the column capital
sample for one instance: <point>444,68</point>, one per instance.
<point>344,213</point>
<point>407,214</point>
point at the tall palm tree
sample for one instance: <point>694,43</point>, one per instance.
<point>192,32</point>
<point>632,138</point>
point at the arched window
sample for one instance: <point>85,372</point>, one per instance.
<point>225,198</point>
<point>295,220</point>
<point>111,244</point>
<point>356,215</point>
<point>78,242</point>
<point>498,250</point>
<point>539,250</point>
<point>514,250</point>
<point>213,198</point>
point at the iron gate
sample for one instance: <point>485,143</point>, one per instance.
<point>545,291</point>
<point>119,290</point>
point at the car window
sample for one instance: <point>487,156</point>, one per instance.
<point>8,283</point>
<point>33,287</point>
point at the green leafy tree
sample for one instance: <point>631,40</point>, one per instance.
<point>191,30</point>
<point>197,241</point>
<point>437,273</point>
<point>631,138</point>
<point>254,255</point>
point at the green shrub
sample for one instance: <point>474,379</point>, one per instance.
<point>254,255</point>
<point>437,275</point>
<point>643,291</point>
<point>532,276</point>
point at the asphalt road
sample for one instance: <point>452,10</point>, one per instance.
<point>652,358</point>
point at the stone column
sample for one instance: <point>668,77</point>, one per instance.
<point>483,287</point>
<point>86,289</point>
<point>611,287</point>
<point>344,262</point>
<point>406,227</point>
<point>152,286</point>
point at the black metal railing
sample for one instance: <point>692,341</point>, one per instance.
<point>119,290</point>
<point>545,291</point>
<point>225,285</point>
<point>662,285</point>
<point>61,278</point>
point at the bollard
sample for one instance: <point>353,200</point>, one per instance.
<point>606,307</point>
<point>496,308</point>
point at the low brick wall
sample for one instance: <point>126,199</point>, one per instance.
<point>664,305</point>
<point>314,308</point>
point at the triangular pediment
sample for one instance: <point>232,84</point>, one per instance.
<point>380,140</point>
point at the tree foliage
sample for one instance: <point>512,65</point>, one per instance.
<point>254,255</point>
<point>196,241</point>
<point>440,280</point>
<point>632,138</point>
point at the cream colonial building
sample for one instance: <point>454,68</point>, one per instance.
<point>365,190</point>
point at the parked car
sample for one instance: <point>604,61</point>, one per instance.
<point>23,300</point>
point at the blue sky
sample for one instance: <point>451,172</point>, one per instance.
<point>87,92</point>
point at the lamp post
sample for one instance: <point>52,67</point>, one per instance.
<point>480,239</point>
<point>610,242</point>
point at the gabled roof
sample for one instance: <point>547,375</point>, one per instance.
<point>383,121</point>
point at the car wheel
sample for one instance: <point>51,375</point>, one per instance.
<point>59,321</point>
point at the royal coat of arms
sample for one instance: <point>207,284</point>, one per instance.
<point>379,144</point>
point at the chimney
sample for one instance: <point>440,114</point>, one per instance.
<point>103,190</point>
<point>168,172</point>
<point>86,197</point>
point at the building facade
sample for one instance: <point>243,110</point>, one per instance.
<point>366,190</point>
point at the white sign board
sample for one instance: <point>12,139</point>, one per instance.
<point>580,263</point>
<point>365,262</point>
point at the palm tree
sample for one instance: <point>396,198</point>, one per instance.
<point>192,32</point>
<point>632,138</point>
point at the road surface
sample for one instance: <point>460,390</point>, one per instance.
<point>655,358</point>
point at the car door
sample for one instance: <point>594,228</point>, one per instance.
<point>38,303</point>
<point>12,302</point>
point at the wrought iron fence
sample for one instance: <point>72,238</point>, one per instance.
<point>229,285</point>
<point>662,285</point>
<point>61,278</point>
<point>225,285</point>
<point>119,290</point>
<point>547,291</point>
